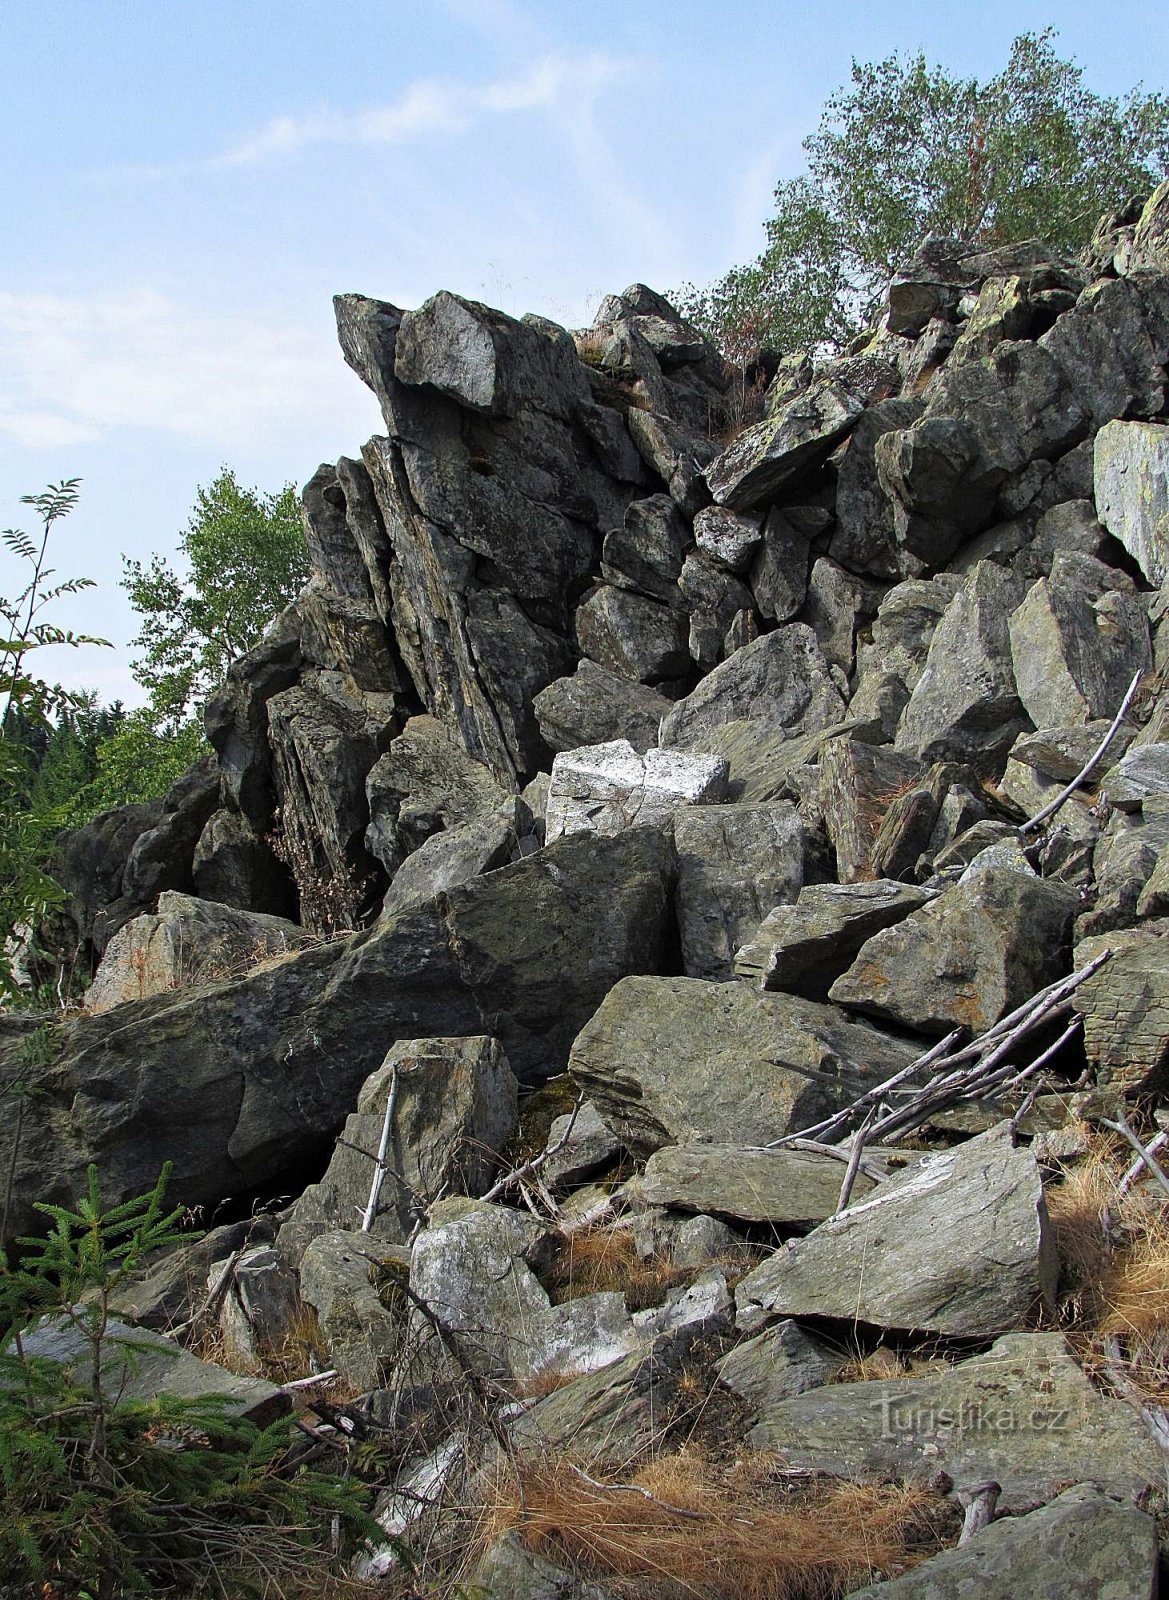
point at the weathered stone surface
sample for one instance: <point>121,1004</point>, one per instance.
<point>985,420</point>
<point>837,604</point>
<point>454,1110</point>
<point>633,636</point>
<point>609,787</point>
<point>234,866</point>
<point>1150,244</point>
<point>779,573</point>
<point>238,1081</point>
<point>1076,642</point>
<point>727,538</point>
<point>236,720</point>
<point>734,864</point>
<point>1024,1415</point>
<point>1083,1545</point>
<point>595,706</point>
<point>160,858</point>
<point>865,539</point>
<point>581,1144</point>
<point>473,1268</point>
<point>780,681</point>
<point>858,783</point>
<point>646,553</point>
<point>338,1274</point>
<point>510,1571</point>
<point>803,947</point>
<point>1125,1007</point>
<point>323,750</point>
<point>1124,862</point>
<point>188,942</point>
<point>965,705</point>
<point>612,1415</point>
<point>714,599</point>
<point>1131,469</point>
<point>667,1059</point>
<point>777,452</point>
<point>1062,753</point>
<point>455,856</point>
<point>1109,350</point>
<point>260,1304</point>
<point>154,1366</point>
<point>791,1188</point>
<point>905,624</point>
<point>966,959</point>
<point>90,862</point>
<point>425,782</point>
<point>780,1362</point>
<point>1141,775</point>
<point>959,1245</point>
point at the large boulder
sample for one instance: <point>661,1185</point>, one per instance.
<point>804,947</point>
<point>959,1245</point>
<point>781,681</point>
<point>240,1081</point>
<point>596,706</point>
<point>1131,467</point>
<point>734,864</point>
<point>606,788</point>
<point>787,445</point>
<point>667,1059</point>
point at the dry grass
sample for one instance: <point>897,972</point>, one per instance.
<point>605,1259</point>
<point>1114,1260</point>
<point>590,345</point>
<point>700,1532</point>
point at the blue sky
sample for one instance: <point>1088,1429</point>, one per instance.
<point>186,185</point>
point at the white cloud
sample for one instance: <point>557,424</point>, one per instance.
<point>429,105</point>
<point>73,369</point>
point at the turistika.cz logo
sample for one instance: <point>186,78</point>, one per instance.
<point>907,1415</point>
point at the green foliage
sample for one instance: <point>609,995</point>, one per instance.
<point>246,559</point>
<point>28,705</point>
<point>138,762</point>
<point>908,149</point>
<point>107,1495</point>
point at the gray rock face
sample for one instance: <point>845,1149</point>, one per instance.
<point>1142,774</point>
<point>857,784</point>
<point>727,538</point>
<point>455,856</point>
<point>777,452</point>
<point>189,942</point>
<point>646,553</point>
<point>959,1245</point>
<point>454,1110</point>
<point>778,1363</point>
<point>734,864</point>
<point>865,538</point>
<point>611,1416</point>
<point>1125,1007</point>
<point>804,947</point>
<point>1131,470</point>
<point>1076,641</point>
<point>424,783</point>
<point>1024,1415</point>
<point>966,959</point>
<point>633,636</point>
<point>607,788</point>
<point>1083,1545</point>
<point>337,1279</point>
<point>779,575</point>
<point>667,1059</point>
<point>965,705</point>
<point>596,706</point>
<point>780,681</point>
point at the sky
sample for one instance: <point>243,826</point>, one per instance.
<point>186,186</point>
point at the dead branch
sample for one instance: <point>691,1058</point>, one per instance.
<point>1145,1152</point>
<point>534,1165</point>
<point>379,1170</point>
<point>1090,765</point>
<point>635,1488</point>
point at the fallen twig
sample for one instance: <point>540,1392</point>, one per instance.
<point>379,1170</point>
<point>534,1165</point>
<point>636,1488</point>
<point>854,1160</point>
<point>1138,1165</point>
<point>1121,1126</point>
<point>214,1297</point>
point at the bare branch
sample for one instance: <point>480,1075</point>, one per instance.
<point>1090,765</point>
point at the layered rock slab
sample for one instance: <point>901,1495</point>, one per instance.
<point>959,1245</point>
<point>667,1059</point>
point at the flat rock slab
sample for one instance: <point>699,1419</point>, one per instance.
<point>959,1245</point>
<point>1024,1415</point>
<point>1082,1546</point>
<point>606,788</point>
<point>783,447</point>
<point>596,706</point>
<point>803,948</point>
<point>614,1414</point>
<point>1125,1007</point>
<point>1139,776</point>
<point>970,956</point>
<point>155,1366</point>
<point>792,1188</point>
<point>667,1059</point>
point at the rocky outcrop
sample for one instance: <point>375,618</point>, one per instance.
<point>706,765</point>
